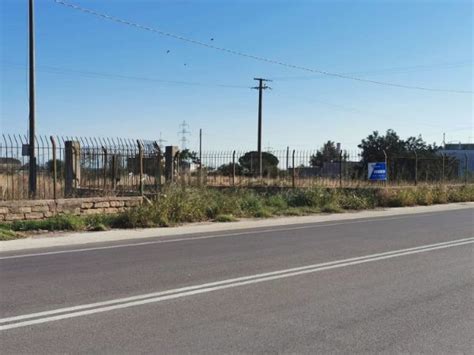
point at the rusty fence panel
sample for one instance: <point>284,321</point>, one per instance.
<point>107,166</point>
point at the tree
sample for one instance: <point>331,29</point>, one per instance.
<point>374,145</point>
<point>59,166</point>
<point>250,163</point>
<point>189,156</point>
<point>327,153</point>
<point>401,156</point>
<point>227,169</point>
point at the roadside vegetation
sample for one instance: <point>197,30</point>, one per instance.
<point>177,205</point>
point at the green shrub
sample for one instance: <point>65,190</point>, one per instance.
<point>396,197</point>
<point>460,194</point>
<point>423,196</point>
<point>405,197</point>
<point>263,213</point>
<point>99,222</point>
<point>62,222</point>
<point>277,202</point>
<point>311,197</point>
<point>354,200</point>
<point>176,204</point>
<point>251,206</point>
<point>100,227</point>
<point>440,195</point>
<point>331,207</point>
<point>7,234</point>
<point>225,218</point>
<point>292,211</point>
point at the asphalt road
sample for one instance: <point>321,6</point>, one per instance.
<point>394,284</point>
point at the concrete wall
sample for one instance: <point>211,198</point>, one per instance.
<point>39,209</point>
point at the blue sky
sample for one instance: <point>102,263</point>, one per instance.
<point>419,43</point>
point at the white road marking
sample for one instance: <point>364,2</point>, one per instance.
<point>255,231</point>
<point>100,307</point>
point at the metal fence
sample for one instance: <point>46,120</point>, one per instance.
<point>300,168</point>
<point>117,166</point>
<point>279,168</point>
<point>106,165</point>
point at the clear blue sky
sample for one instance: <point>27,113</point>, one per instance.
<point>421,43</point>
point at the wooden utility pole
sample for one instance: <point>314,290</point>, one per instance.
<point>31,147</point>
<point>261,86</point>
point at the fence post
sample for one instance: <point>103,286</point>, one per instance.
<point>77,153</point>
<point>293,176</point>
<point>114,171</point>
<point>233,168</point>
<point>386,166</point>
<point>140,166</point>
<point>72,168</point>
<point>466,168</point>
<point>340,168</point>
<point>416,167</point>
<point>158,165</point>
<point>55,167</point>
<point>170,155</point>
<point>105,166</point>
<point>12,195</point>
<point>442,173</point>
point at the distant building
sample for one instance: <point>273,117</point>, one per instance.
<point>460,151</point>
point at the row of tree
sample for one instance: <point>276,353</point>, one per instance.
<point>400,152</point>
<point>405,157</point>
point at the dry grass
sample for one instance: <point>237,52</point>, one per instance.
<point>15,186</point>
<point>177,205</point>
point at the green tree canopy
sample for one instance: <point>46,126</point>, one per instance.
<point>59,166</point>
<point>189,156</point>
<point>249,163</point>
<point>374,145</point>
<point>227,169</point>
<point>326,154</point>
<point>401,156</point>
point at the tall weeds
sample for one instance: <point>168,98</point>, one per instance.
<point>176,205</point>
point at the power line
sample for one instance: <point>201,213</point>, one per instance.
<point>184,132</point>
<point>394,70</point>
<point>246,55</point>
<point>161,141</point>
<point>363,112</point>
<point>59,70</point>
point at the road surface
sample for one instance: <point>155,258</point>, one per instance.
<point>387,284</point>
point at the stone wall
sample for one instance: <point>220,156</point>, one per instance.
<point>39,209</point>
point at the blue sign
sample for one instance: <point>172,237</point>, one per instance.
<point>377,171</point>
